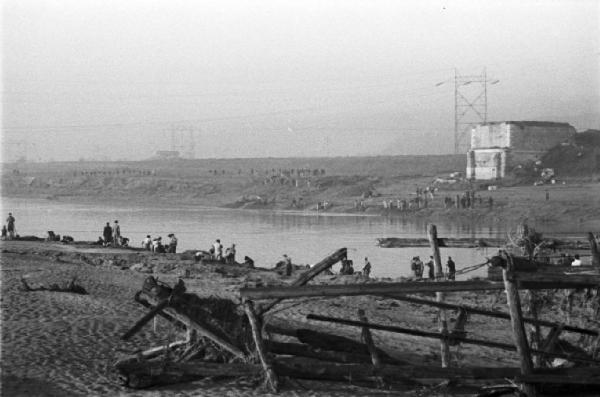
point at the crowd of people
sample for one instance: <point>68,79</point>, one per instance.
<point>156,244</point>
<point>418,268</point>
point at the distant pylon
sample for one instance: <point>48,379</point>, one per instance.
<point>470,106</point>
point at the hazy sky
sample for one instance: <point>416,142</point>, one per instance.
<point>111,79</point>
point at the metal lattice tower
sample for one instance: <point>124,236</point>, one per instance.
<point>470,107</point>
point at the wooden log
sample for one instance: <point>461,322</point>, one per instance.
<point>225,344</point>
<point>145,319</point>
<point>552,338</point>
<point>148,354</point>
<point>323,340</point>
<point>550,280</point>
<point>516,320</point>
<point>368,339</point>
<point>305,350</point>
<point>305,277</point>
<point>439,296</point>
<point>436,335</point>
<point>314,369</point>
<point>490,313</point>
<point>410,331</point>
<point>366,289</point>
<point>154,373</point>
<point>584,378</point>
<point>327,342</point>
<point>164,315</point>
<point>270,376</point>
<point>594,248</point>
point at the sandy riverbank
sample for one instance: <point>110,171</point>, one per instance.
<point>57,343</point>
<point>275,184</point>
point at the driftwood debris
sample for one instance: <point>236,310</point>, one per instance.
<point>71,287</point>
<point>248,346</point>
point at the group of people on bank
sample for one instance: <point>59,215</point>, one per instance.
<point>8,229</point>
<point>156,244</point>
<point>418,268</point>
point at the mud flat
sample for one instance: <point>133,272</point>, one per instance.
<point>56,343</point>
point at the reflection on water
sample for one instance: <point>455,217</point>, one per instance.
<point>264,236</point>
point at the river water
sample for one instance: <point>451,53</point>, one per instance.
<point>264,236</point>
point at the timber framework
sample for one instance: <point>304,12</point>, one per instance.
<point>242,337</point>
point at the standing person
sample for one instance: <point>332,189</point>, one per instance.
<point>418,267</point>
<point>107,234</point>
<point>287,261</point>
<point>172,244</point>
<point>367,268</point>
<point>430,273</point>
<point>451,269</point>
<point>218,250</point>
<point>10,226</point>
<point>116,234</point>
<point>230,254</point>
<point>576,261</point>
<point>147,243</point>
<point>413,266</point>
<point>4,232</point>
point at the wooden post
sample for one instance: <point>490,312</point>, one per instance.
<point>439,296</point>
<point>271,377</point>
<point>516,321</point>
<point>368,339</point>
<point>595,249</point>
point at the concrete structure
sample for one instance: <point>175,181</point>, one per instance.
<point>496,148</point>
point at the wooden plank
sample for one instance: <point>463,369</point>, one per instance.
<point>439,296</point>
<point>305,277</point>
<point>516,320</point>
<point>490,313</point>
<point>270,377</point>
<point>366,289</point>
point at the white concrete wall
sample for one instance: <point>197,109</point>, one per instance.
<point>490,135</point>
<point>489,164</point>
